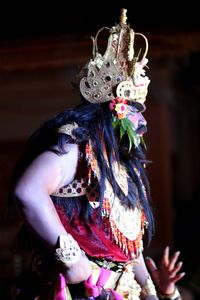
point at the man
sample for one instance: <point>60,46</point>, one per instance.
<point>82,190</point>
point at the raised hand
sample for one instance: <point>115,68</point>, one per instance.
<point>166,273</point>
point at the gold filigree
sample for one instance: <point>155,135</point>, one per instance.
<point>68,129</point>
<point>100,79</point>
<point>69,251</point>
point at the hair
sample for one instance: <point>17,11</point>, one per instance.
<point>94,124</point>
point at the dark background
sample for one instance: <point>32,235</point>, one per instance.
<point>41,47</point>
<point>33,18</point>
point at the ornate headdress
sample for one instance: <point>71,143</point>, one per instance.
<point>118,73</point>
<point>118,77</point>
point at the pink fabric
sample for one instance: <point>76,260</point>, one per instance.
<point>94,290</point>
<point>60,293</point>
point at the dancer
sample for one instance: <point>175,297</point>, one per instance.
<point>81,186</point>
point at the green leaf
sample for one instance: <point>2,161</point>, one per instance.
<point>126,126</point>
<point>115,123</point>
<point>133,137</point>
<point>131,133</point>
<point>124,123</point>
<point>143,142</point>
<point>122,132</point>
<point>130,143</point>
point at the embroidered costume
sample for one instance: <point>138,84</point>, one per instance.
<point>117,242</point>
<point>112,247</point>
<point>105,209</point>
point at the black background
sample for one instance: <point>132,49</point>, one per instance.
<point>33,18</point>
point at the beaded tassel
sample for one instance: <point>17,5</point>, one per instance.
<point>132,247</point>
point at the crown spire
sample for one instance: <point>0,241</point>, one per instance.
<point>123,17</point>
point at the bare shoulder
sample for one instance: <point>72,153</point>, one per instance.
<point>68,163</point>
<point>65,161</point>
<point>51,170</point>
<point>56,158</point>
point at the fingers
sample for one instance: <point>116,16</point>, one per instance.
<point>150,264</point>
<point>165,257</point>
<point>177,267</point>
<point>173,260</point>
<point>169,262</point>
<point>178,277</point>
<point>152,268</point>
<point>174,276</point>
<point>176,270</point>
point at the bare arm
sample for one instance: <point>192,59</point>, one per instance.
<point>142,275</point>
<point>45,174</point>
<point>32,191</point>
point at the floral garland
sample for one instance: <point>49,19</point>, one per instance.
<point>122,122</point>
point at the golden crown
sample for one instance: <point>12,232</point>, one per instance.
<point>117,73</point>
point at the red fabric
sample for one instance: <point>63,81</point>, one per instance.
<point>95,242</point>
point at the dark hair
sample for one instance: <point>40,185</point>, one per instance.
<point>95,124</point>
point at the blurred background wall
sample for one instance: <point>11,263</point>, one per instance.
<point>42,47</point>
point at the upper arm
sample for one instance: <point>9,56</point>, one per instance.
<point>46,173</point>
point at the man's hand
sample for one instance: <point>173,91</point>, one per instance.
<point>79,271</point>
<point>166,273</point>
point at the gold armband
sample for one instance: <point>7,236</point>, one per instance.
<point>68,129</point>
<point>69,251</point>
<point>148,289</point>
